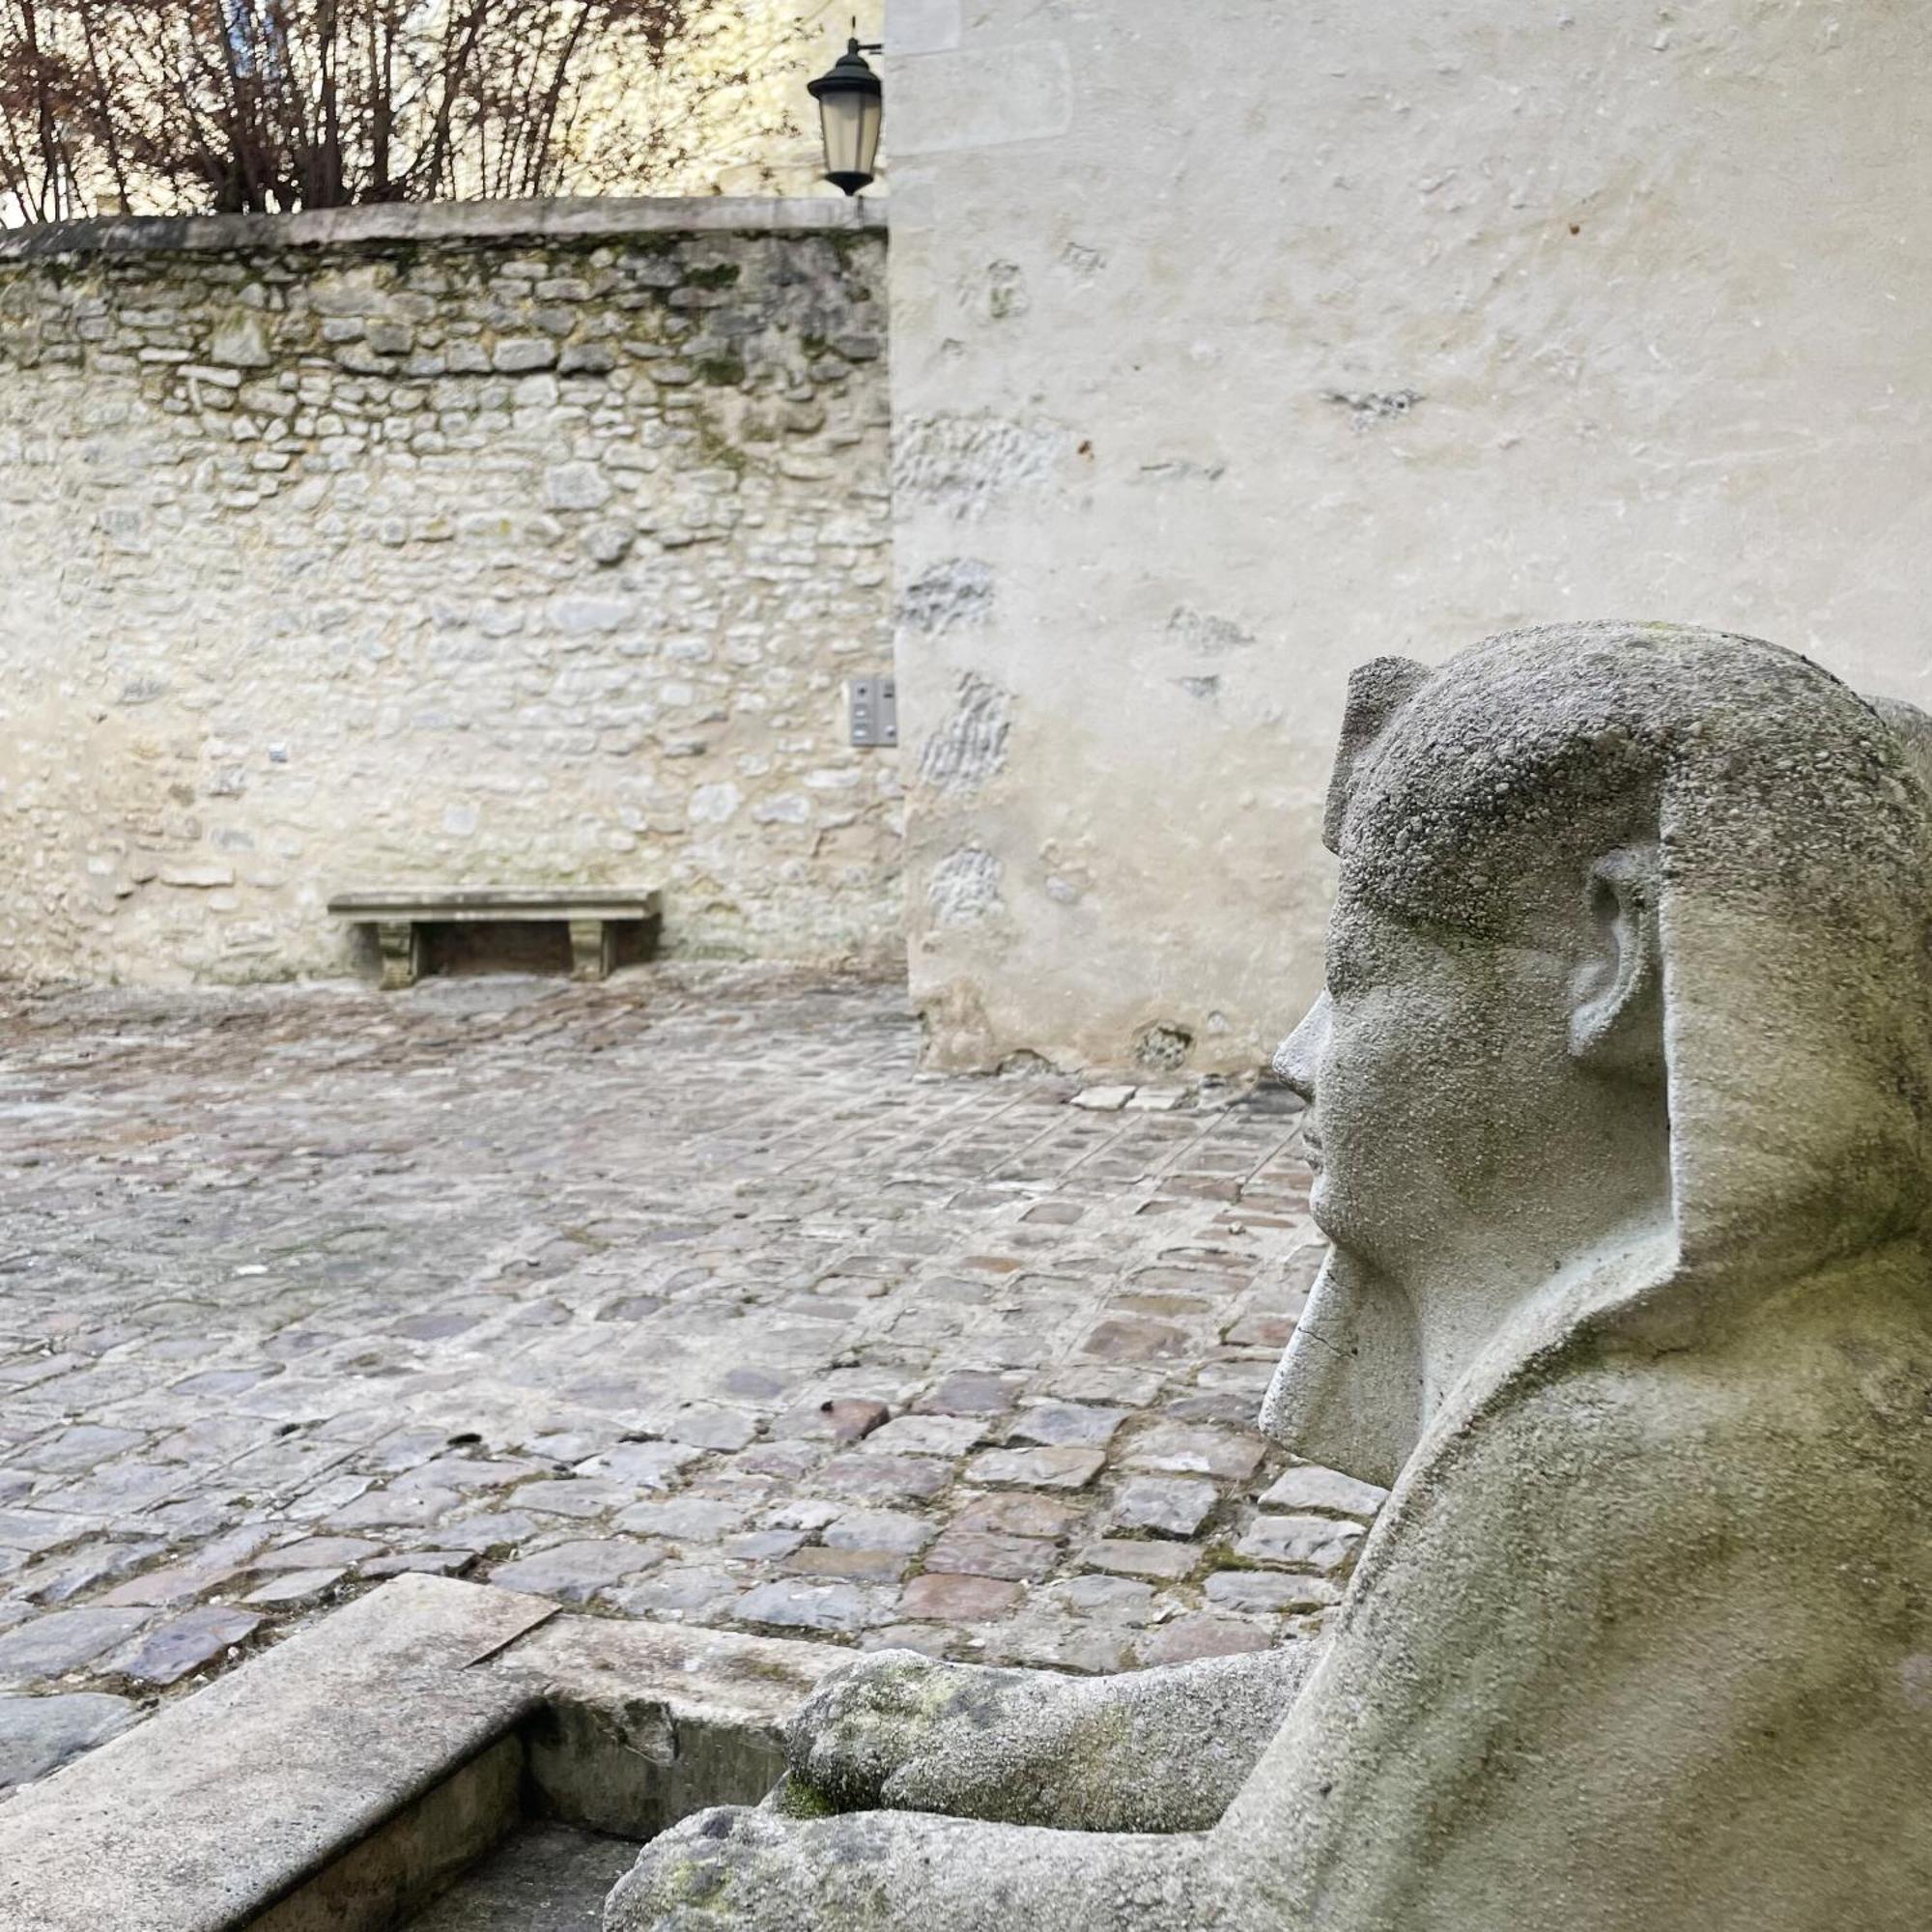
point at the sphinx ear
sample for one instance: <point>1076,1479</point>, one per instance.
<point>1616,1012</point>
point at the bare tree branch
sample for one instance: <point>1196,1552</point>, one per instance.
<point>183,105</point>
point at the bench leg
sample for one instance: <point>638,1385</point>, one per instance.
<point>589,949</point>
<point>400,943</point>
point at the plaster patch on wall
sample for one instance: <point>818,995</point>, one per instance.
<point>922,27</point>
<point>1025,1065</point>
<point>962,464</point>
<point>1163,1046</point>
<point>1022,91</point>
<point>949,595</point>
<point>965,886</point>
<point>1368,408</point>
<point>1180,471</point>
<point>1203,631</point>
<point>1005,291</point>
<point>971,745</point>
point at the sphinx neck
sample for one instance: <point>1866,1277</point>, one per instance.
<point>1464,1311</point>
<point>1477,1285</point>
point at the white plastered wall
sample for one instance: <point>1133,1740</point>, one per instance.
<point>1235,343</point>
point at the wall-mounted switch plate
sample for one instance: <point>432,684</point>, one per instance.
<point>874,703</point>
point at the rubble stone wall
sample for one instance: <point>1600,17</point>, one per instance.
<point>489,545</point>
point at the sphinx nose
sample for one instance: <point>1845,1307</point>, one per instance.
<point>1295,1058</point>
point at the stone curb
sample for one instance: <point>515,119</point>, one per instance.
<point>342,1778</point>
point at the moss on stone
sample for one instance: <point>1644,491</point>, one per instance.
<point>796,1799</point>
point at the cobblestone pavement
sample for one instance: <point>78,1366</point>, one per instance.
<point>682,1296</point>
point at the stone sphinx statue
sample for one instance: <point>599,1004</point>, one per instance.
<point>1620,1088</point>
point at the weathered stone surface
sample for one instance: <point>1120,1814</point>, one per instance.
<point>1188,1638</point>
<point>1132,1339</point>
<point>1264,1590</point>
<point>1165,1505</point>
<point>40,1734</point>
<point>848,1420</point>
<point>574,1497</point>
<point>1004,1739</point>
<point>979,1552</point>
<point>64,1575</point>
<point>1305,1488</point>
<point>1037,1468</point>
<point>575,1572</point>
<point>314,1553</point>
<point>881,1477</point>
<point>422,1562</point>
<point>1184,1451</point>
<point>1302,1542</point>
<point>813,1606</point>
<point>683,1519</point>
<point>861,1566</point>
<point>51,1646</point>
<point>1063,1424</point>
<point>172,1584</point>
<point>707,1425</point>
<point>702,1592</point>
<point>551,1870</point>
<point>1127,1557</point>
<point>641,1466</point>
<point>1065,970</point>
<point>969,1392</point>
<point>878,1529</point>
<point>294,1586</point>
<point>957,1598</point>
<point>928,1436</point>
<point>28,1531</point>
<point>187,1643</point>
<point>1019,1513</point>
<point>1109,1598</point>
<point>79,1449</point>
<point>762,1546</point>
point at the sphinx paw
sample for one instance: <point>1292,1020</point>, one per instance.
<point>715,1865</point>
<point>888,1714</point>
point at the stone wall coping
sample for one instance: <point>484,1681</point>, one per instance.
<point>587,218</point>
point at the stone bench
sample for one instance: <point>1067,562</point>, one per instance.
<point>598,919</point>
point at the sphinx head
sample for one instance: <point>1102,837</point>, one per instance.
<point>1630,942</point>
<point>1484,1067</point>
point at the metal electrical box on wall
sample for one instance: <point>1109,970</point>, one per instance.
<point>875,710</point>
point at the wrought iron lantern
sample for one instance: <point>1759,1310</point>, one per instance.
<point>849,100</point>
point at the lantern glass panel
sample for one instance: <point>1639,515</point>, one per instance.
<point>850,120</point>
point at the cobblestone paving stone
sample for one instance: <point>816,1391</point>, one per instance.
<point>683,1297</point>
